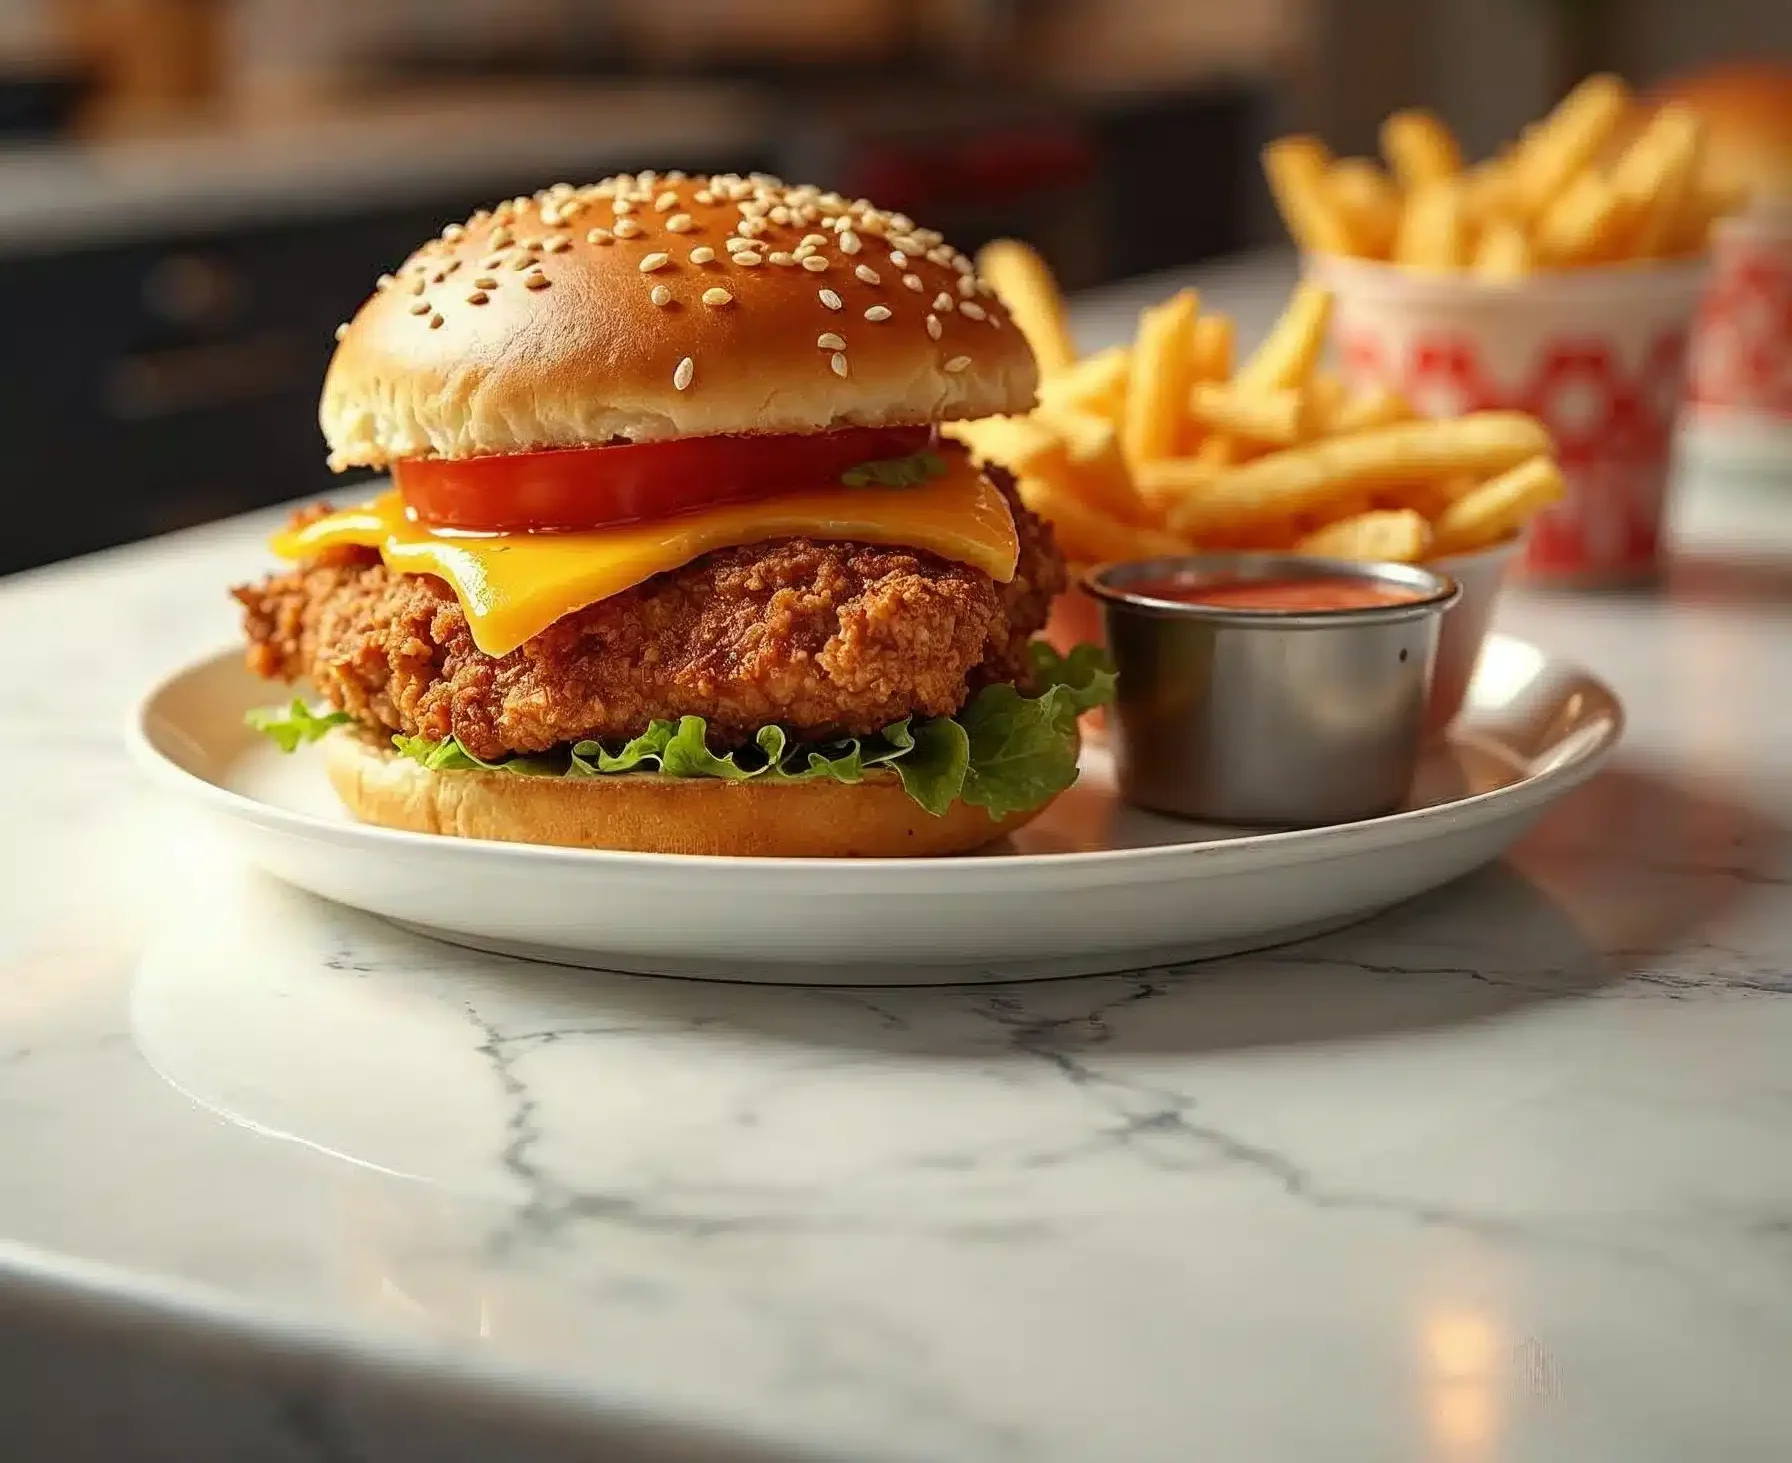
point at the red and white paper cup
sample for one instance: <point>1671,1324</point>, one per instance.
<point>1739,391</point>
<point>1598,355</point>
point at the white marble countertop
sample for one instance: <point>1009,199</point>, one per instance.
<point>1499,1176</point>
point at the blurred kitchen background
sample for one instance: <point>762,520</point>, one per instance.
<point>194,192</point>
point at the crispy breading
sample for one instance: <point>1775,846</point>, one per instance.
<point>825,639</point>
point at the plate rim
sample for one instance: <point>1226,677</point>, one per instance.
<point>1305,845</point>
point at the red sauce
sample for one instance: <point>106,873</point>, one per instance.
<point>1325,592</point>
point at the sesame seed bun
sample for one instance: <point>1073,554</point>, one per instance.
<point>1747,110</point>
<point>582,316</point>
<point>647,813</point>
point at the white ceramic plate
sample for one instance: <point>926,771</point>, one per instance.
<point>1091,886</point>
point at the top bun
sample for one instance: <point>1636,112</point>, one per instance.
<point>650,307</point>
<point>1747,111</point>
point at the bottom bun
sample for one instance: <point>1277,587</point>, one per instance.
<point>645,813</point>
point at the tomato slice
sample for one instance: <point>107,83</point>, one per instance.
<point>589,487</point>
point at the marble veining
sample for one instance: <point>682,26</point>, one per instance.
<point>1499,1175</point>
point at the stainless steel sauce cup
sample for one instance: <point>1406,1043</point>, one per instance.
<point>1268,717</point>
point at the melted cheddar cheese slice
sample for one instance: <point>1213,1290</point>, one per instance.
<point>513,586</point>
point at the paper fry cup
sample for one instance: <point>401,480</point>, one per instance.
<point>1596,354</point>
<point>1739,398</point>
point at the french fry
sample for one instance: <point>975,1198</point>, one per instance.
<point>1396,535</point>
<point>1487,192</point>
<point>1096,384</point>
<point>1015,443</point>
<point>1274,418</point>
<point>1296,481</point>
<point>1583,226</point>
<point>1375,408</point>
<point>1158,382</point>
<point>1367,203</point>
<point>1419,148</point>
<point>1296,170</point>
<point>1095,467</point>
<point>1024,283</point>
<point>1210,348</point>
<point>1503,251</point>
<point>1433,231</point>
<point>1288,353</point>
<point>1326,398</point>
<point>1427,497</point>
<point>1498,508</point>
<point>1565,142</point>
<point>1654,176</point>
<point>1690,232</point>
<point>1087,534</point>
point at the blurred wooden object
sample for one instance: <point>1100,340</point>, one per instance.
<point>156,58</point>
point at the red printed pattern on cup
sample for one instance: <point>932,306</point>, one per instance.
<point>1612,431</point>
<point>1742,352</point>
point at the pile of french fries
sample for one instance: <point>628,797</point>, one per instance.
<point>1600,180</point>
<point>1167,446</point>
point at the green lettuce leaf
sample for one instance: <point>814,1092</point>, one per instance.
<point>1004,752</point>
<point>895,472</point>
<point>290,726</point>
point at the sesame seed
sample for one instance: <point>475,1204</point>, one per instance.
<point>621,206</point>
<point>478,297</point>
<point>748,258</point>
<point>717,297</point>
<point>535,281</point>
<point>737,241</point>
<point>941,255</point>
<point>651,262</point>
<point>878,312</point>
<point>680,223</point>
<point>626,228</point>
<point>815,263</point>
<point>944,303</point>
<point>702,254</point>
<point>384,282</point>
<point>849,242</point>
<point>435,322</point>
<point>453,264</point>
<point>868,274</point>
<point>556,243</point>
<point>899,259</point>
<point>665,202</point>
<point>838,362</point>
<point>454,233</point>
<point>496,261</point>
<point>779,215</point>
<point>831,300</point>
<point>750,228</point>
<point>966,285</point>
<point>829,341</point>
<point>780,257</point>
<point>704,196</point>
<point>814,241</point>
<point>681,378</point>
<point>437,276</point>
<point>660,295</point>
<point>342,330</point>
<point>522,262</point>
<point>913,281</point>
<point>802,252</point>
<point>418,286</point>
<point>532,245</point>
<point>957,364</point>
<point>420,307</point>
<point>485,282</point>
<point>971,310</point>
<point>934,328</point>
<point>501,238</point>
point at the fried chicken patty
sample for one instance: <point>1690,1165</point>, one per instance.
<point>825,639</point>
